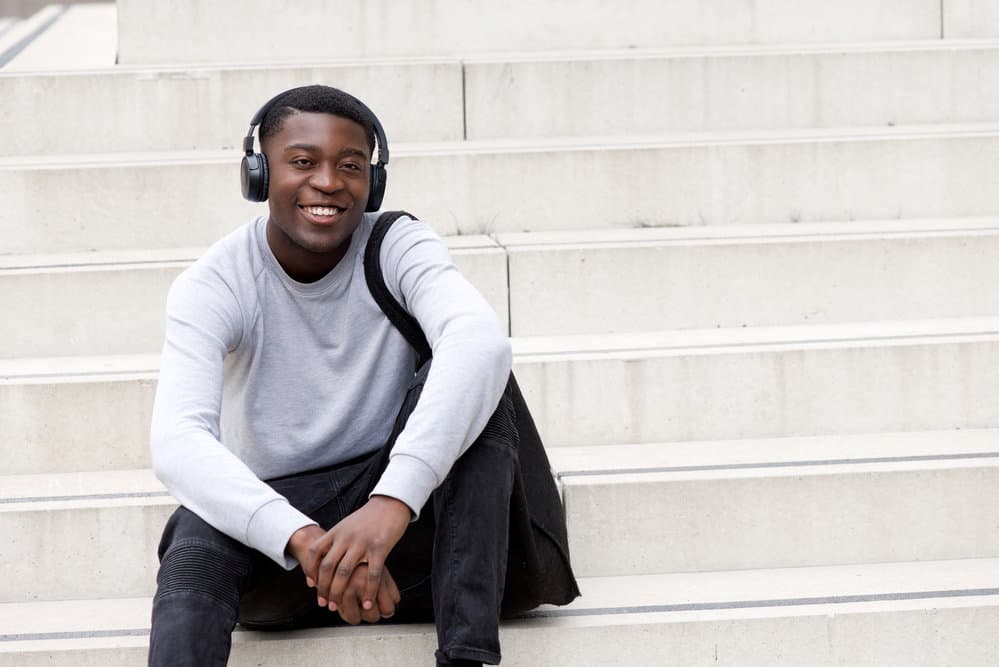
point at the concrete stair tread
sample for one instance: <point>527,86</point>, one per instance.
<point>862,334</point>
<point>123,259</point>
<point>683,596</point>
<point>568,239</point>
<point>580,464</point>
<point>749,233</point>
<point>507,146</point>
<point>91,13</point>
<point>767,456</point>
<point>730,50</point>
<point>655,342</point>
<point>79,486</point>
<point>83,37</point>
<point>858,334</point>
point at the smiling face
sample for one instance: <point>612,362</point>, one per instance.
<point>319,178</point>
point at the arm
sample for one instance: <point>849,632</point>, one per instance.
<point>472,361</point>
<point>203,323</point>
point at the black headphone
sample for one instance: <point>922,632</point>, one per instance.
<point>254,175</point>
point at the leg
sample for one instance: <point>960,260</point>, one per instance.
<point>471,511</point>
<point>198,586</point>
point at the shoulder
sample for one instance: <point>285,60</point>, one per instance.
<point>220,285</point>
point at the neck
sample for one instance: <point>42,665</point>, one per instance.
<point>300,264</point>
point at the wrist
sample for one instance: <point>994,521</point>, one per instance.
<point>301,539</point>
<point>393,505</point>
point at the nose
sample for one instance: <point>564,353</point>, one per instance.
<point>325,178</point>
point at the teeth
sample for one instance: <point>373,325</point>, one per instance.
<point>322,210</point>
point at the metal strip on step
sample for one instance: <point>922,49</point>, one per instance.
<point>607,611</point>
<point>781,464</point>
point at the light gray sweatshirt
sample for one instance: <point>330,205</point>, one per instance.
<point>262,376</point>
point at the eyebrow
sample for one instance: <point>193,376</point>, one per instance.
<point>315,149</point>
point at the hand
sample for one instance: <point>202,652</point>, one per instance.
<point>352,610</point>
<point>363,537</point>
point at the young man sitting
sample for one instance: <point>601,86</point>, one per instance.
<point>279,384</point>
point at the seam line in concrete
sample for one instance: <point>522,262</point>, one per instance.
<point>84,496</point>
<point>25,41</point>
<point>782,464</point>
<point>608,611</point>
<point>756,604</point>
<point>927,338</point>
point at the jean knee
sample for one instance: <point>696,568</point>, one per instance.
<point>200,568</point>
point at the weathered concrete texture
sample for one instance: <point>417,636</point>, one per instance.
<point>821,630</point>
<point>970,19</point>
<point>83,37</point>
<point>217,31</point>
<point>620,524</point>
<point>130,201</point>
<point>658,279</point>
<point>632,93</point>
<point>75,304</point>
<point>704,386</point>
<point>210,108</point>
<point>608,390</point>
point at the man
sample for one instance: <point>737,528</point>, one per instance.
<point>279,384</point>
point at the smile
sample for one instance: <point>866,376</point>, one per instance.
<point>322,214</point>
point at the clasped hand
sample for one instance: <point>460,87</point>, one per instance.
<point>346,564</point>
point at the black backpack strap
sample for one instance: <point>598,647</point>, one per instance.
<point>397,315</point>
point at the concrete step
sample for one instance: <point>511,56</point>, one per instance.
<point>120,201</point>
<point>595,93</point>
<point>84,37</point>
<point>964,19</point>
<point>761,382</point>
<point>114,302</point>
<point>149,31</point>
<point>417,99</point>
<point>786,502</point>
<point>560,283</point>
<point>639,509</point>
<point>591,390</point>
<point>715,89</point>
<point>622,281</point>
<point>936,613</point>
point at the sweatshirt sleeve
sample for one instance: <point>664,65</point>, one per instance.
<point>471,365</point>
<point>203,323</point>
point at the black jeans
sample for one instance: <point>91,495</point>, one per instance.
<point>449,565</point>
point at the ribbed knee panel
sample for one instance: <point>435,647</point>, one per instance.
<point>193,566</point>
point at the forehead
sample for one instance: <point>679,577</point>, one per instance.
<point>323,130</point>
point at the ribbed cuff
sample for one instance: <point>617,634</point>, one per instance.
<point>409,480</point>
<point>270,528</point>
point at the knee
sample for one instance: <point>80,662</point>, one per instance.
<point>194,566</point>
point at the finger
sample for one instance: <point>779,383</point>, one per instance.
<point>325,573</point>
<point>376,567</point>
<point>388,583</point>
<point>349,609</point>
<point>342,571</point>
<point>313,555</point>
<point>355,588</point>
<point>386,603</point>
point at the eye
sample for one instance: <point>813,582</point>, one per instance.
<point>301,162</point>
<point>351,166</point>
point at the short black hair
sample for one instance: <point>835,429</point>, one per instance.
<point>317,99</point>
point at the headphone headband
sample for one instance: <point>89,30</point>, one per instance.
<point>383,150</point>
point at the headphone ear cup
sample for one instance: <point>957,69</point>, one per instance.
<point>377,190</point>
<point>254,177</point>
